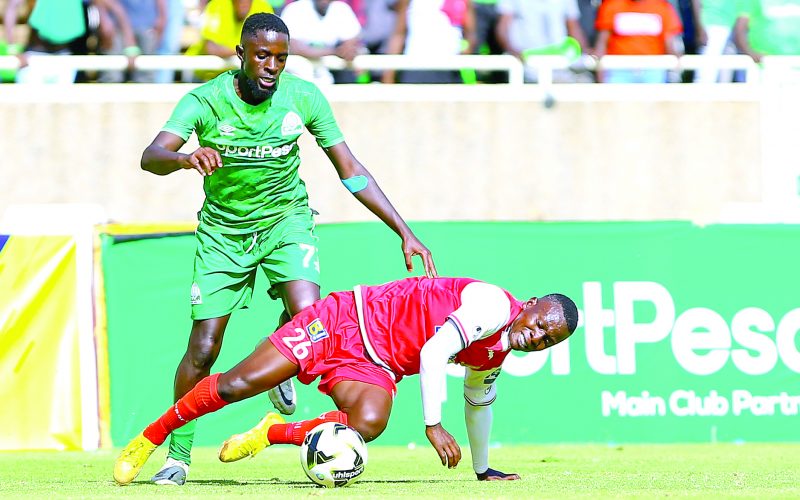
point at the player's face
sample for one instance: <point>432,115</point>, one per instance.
<point>540,325</point>
<point>263,58</point>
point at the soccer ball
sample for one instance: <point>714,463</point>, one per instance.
<point>333,455</point>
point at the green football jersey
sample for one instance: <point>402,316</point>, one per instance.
<point>259,180</point>
<point>774,26</point>
<point>719,12</point>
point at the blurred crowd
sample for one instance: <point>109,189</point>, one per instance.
<point>581,30</point>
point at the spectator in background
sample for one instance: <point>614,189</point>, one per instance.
<point>221,29</point>
<point>54,25</point>
<point>147,19</point>
<point>538,24</point>
<point>377,18</point>
<point>486,42</point>
<point>277,5</point>
<point>637,27</point>
<point>713,22</point>
<point>588,10</point>
<point>768,28</point>
<point>171,38</point>
<point>432,28</point>
<point>322,28</point>
<point>377,24</point>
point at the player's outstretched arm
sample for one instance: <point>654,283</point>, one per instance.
<point>432,376</point>
<point>496,475</point>
<point>363,186</point>
<point>161,157</point>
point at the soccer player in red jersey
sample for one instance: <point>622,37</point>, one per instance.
<point>360,343</point>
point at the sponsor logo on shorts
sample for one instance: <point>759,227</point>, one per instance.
<point>316,331</point>
<point>292,124</point>
<point>197,297</point>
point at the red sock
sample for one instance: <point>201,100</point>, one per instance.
<point>295,432</point>
<point>202,399</point>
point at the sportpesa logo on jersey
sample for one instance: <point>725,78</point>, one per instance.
<point>265,151</point>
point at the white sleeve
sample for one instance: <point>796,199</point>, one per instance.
<point>573,12</point>
<point>505,7</point>
<point>292,18</point>
<point>346,20</point>
<point>479,394</point>
<point>434,357</point>
<point>484,310</point>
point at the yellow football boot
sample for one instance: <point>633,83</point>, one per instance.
<point>132,459</point>
<point>248,444</point>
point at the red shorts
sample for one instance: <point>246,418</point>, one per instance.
<point>324,340</point>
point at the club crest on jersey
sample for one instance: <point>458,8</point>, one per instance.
<point>316,331</point>
<point>292,124</point>
<point>196,297</point>
<point>226,129</point>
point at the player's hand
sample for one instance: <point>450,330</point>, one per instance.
<point>496,475</point>
<point>411,247</point>
<point>444,444</point>
<point>205,160</point>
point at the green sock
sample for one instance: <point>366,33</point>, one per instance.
<point>180,443</point>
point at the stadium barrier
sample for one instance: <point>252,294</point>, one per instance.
<point>707,153</point>
<point>544,64</point>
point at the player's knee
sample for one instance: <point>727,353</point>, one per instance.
<point>203,355</point>
<point>370,424</point>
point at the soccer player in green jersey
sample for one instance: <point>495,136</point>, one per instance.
<point>256,211</point>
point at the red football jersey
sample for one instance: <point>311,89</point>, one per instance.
<point>484,354</point>
<point>398,317</point>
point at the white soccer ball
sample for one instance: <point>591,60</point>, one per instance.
<point>333,455</point>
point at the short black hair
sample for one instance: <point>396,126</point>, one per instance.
<point>263,21</point>
<point>569,308</point>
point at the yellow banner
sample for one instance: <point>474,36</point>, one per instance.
<point>39,344</point>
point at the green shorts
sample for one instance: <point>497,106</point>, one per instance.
<point>225,264</point>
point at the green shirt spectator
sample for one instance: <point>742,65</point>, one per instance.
<point>769,27</point>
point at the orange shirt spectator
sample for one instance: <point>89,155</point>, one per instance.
<point>639,27</point>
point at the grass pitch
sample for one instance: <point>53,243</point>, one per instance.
<point>568,471</point>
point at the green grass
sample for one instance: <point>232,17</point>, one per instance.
<point>568,471</point>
